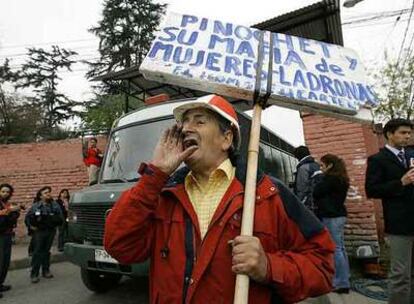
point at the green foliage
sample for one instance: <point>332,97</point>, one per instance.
<point>41,72</point>
<point>104,110</point>
<point>6,74</point>
<point>24,121</point>
<point>125,33</point>
<point>395,87</point>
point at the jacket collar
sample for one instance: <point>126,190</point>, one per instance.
<point>389,154</point>
<point>241,169</point>
<point>175,186</point>
<point>305,160</point>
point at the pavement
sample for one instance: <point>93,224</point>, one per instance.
<point>20,260</point>
<point>351,298</point>
<point>20,257</point>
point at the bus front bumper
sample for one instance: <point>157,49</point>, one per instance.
<point>94,257</point>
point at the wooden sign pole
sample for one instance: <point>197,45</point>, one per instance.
<point>241,293</point>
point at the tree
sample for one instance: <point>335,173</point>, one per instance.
<point>125,33</point>
<point>41,72</point>
<point>21,120</point>
<point>5,75</point>
<point>7,103</point>
<point>101,113</point>
<point>395,89</point>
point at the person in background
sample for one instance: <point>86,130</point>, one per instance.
<point>306,176</point>
<point>329,197</point>
<point>43,217</point>
<point>63,201</point>
<point>30,230</point>
<point>8,219</point>
<point>390,177</point>
<point>92,158</point>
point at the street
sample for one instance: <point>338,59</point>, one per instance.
<point>67,288</point>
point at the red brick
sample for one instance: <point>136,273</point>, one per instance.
<point>28,167</point>
<point>353,142</point>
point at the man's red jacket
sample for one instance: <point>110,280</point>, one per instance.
<point>155,219</point>
<point>93,157</point>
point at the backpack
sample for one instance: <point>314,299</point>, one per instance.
<point>314,179</point>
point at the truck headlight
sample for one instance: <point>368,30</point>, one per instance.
<point>72,216</point>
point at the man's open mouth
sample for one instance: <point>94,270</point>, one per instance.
<point>189,142</point>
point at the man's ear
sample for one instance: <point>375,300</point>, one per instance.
<point>228,140</point>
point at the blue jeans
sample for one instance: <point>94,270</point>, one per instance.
<point>335,226</point>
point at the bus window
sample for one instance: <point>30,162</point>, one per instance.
<point>266,158</point>
<point>128,147</point>
<point>274,140</point>
<point>264,135</point>
<point>293,163</point>
<point>277,164</point>
<point>288,168</point>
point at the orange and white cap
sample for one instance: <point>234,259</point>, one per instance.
<point>216,104</point>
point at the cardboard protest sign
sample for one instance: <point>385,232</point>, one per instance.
<point>222,58</point>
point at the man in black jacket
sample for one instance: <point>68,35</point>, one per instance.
<point>390,177</point>
<point>43,217</point>
<point>306,176</point>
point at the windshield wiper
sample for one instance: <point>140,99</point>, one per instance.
<point>119,180</point>
<point>133,179</point>
<point>115,180</point>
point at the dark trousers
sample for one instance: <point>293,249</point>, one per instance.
<point>401,274</point>
<point>31,245</point>
<point>42,242</point>
<point>62,236</point>
<point>5,255</point>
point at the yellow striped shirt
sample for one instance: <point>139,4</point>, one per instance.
<point>205,198</point>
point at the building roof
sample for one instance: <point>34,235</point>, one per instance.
<point>139,85</point>
<point>319,21</point>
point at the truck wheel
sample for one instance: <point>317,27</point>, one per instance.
<point>98,281</point>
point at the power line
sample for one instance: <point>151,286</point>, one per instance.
<point>352,20</point>
<point>388,35</point>
<point>409,49</point>
<point>405,35</point>
<point>44,43</point>
<point>379,22</point>
<point>400,52</point>
<point>377,16</point>
<point>19,66</point>
<point>14,55</point>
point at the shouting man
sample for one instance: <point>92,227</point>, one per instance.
<point>188,221</point>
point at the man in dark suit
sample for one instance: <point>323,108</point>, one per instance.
<point>390,177</point>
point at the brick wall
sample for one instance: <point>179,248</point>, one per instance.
<point>28,167</point>
<point>354,143</point>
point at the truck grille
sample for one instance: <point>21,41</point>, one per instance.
<point>91,219</point>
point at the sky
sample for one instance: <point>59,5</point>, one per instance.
<point>41,23</point>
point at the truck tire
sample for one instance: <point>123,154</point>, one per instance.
<point>98,281</point>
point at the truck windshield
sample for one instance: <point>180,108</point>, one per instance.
<point>129,147</point>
